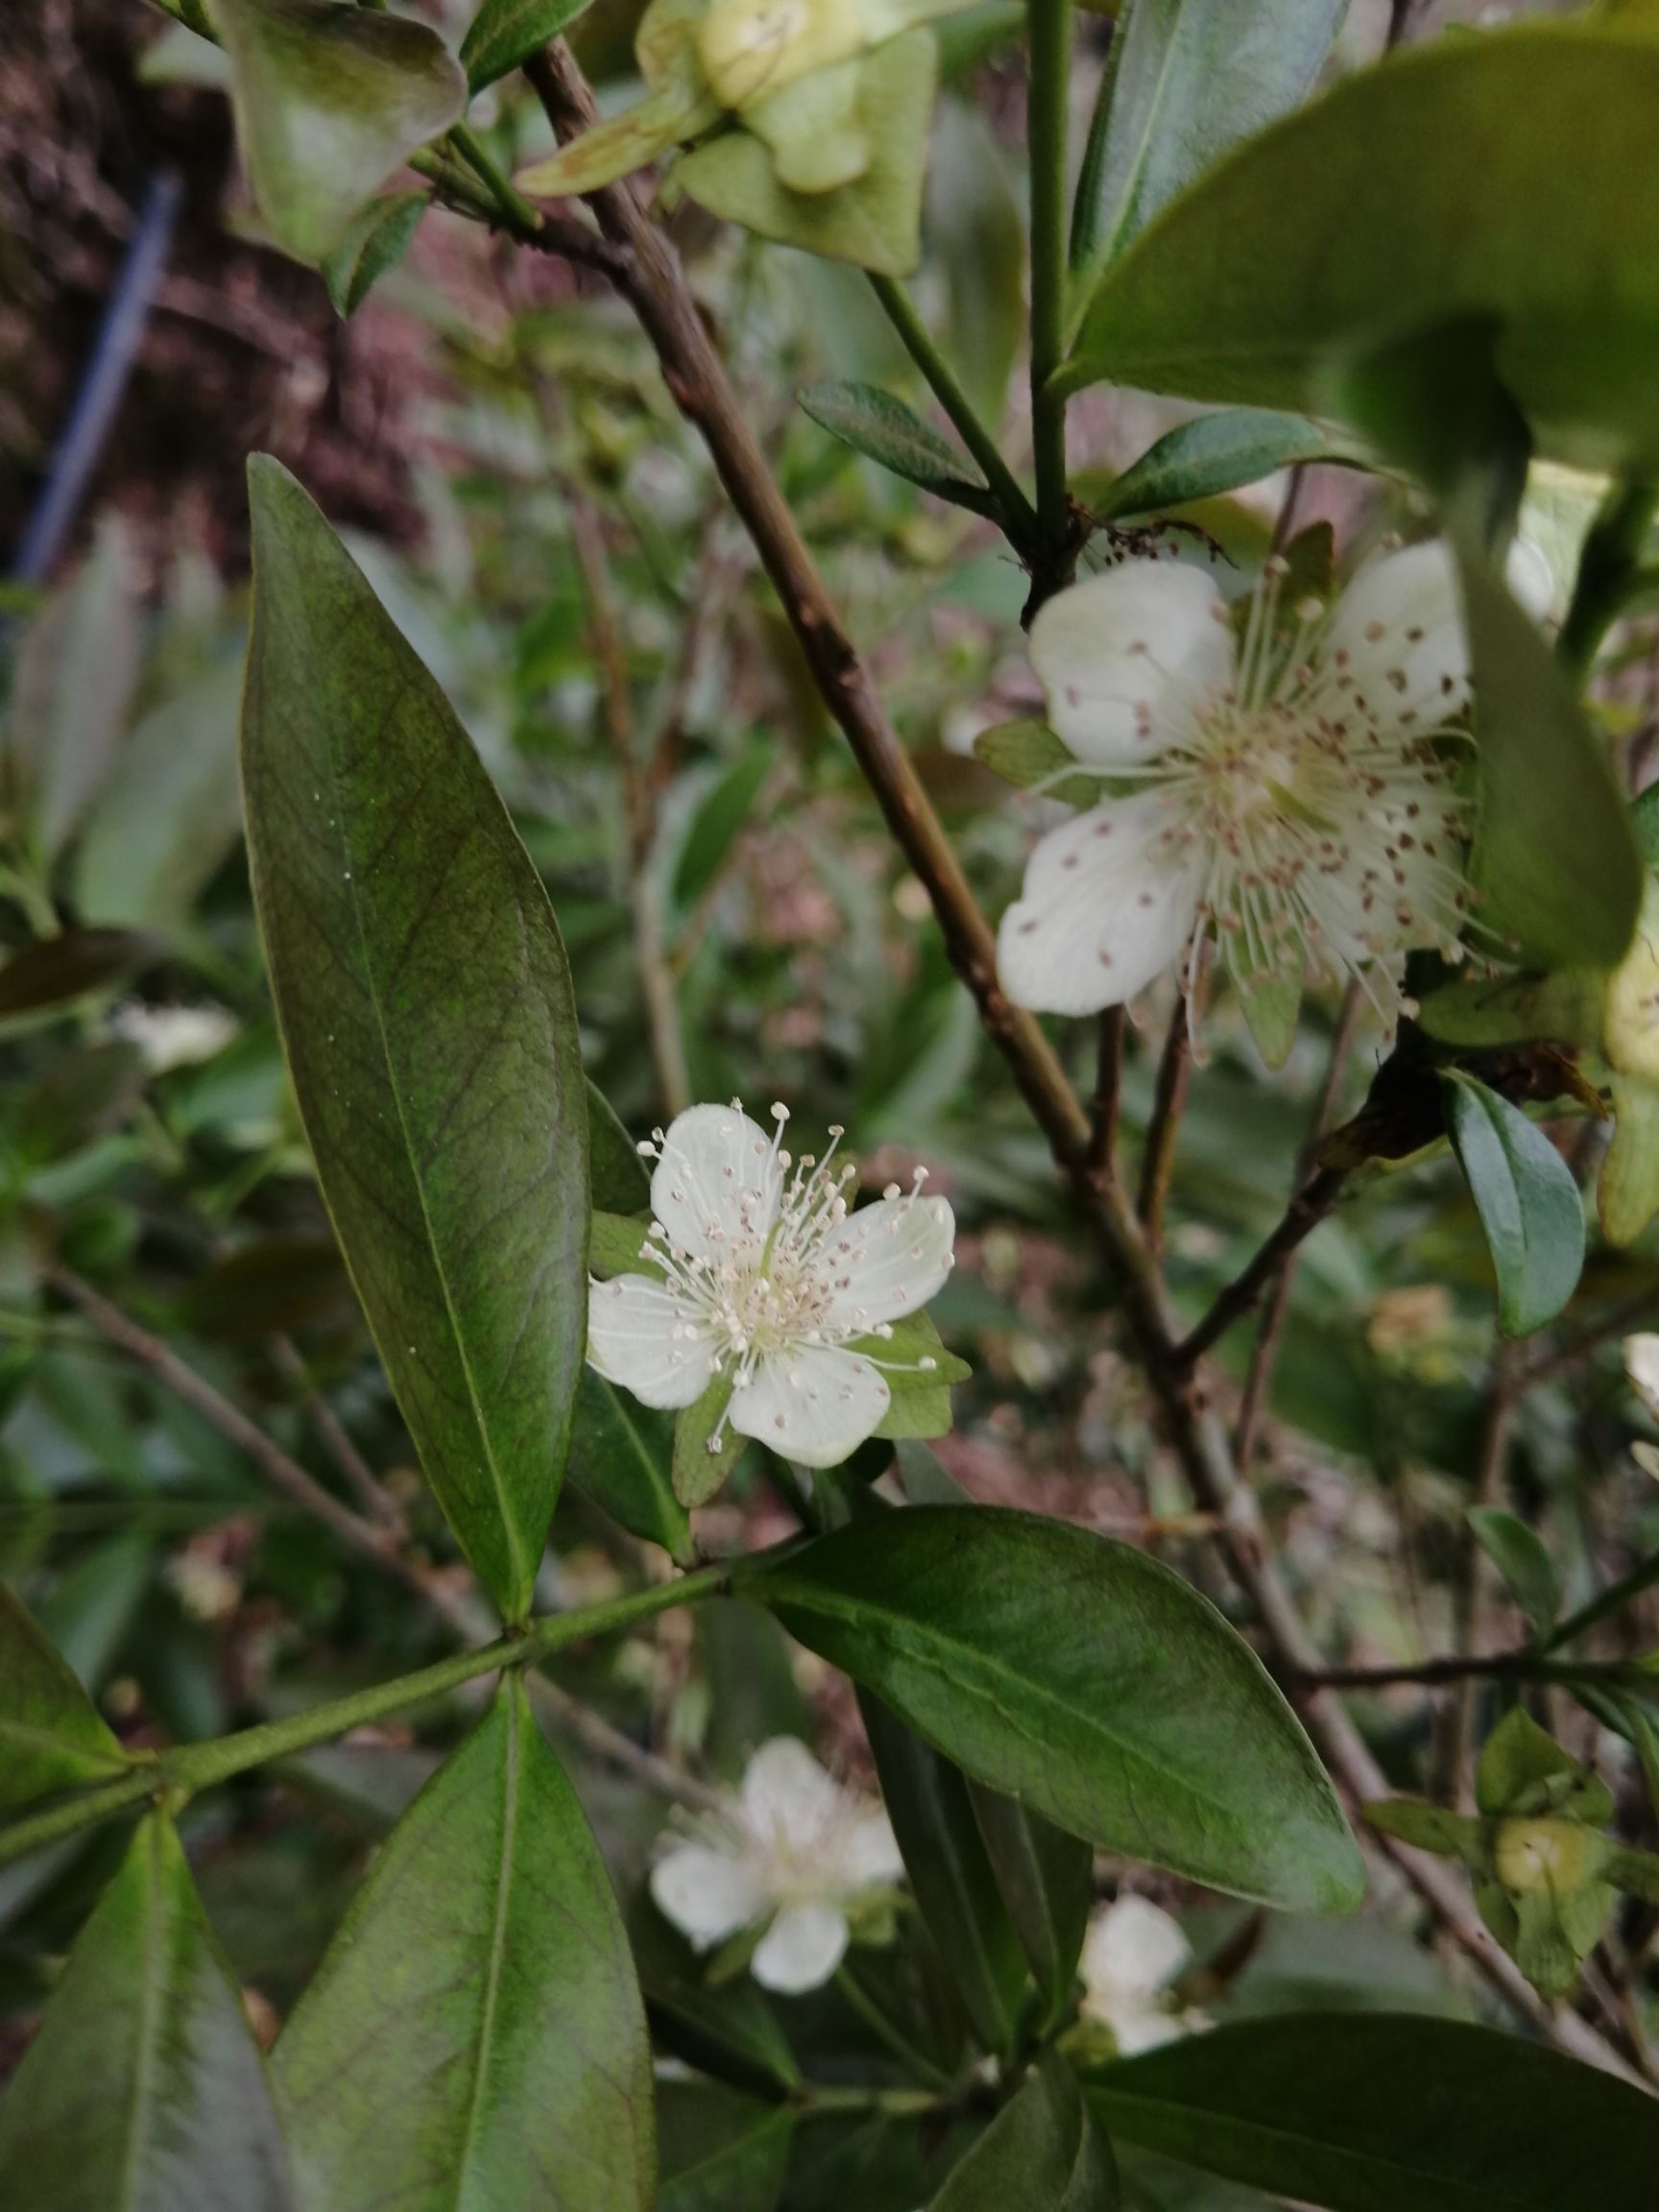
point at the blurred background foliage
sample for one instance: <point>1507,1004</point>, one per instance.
<point>493,432</point>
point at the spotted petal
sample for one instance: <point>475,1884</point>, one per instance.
<point>1127,654</point>
<point>632,1340</point>
<point>716,1181</point>
<point>1110,900</point>
<point>707,1894</point>
<point>814,1405</point>
<point>1398,634</point>
<point>801,1949</point>
<point>888,1259</point>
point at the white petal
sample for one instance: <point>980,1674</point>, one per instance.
<point>1110,899</point>
<point>815,1405</point>
<point>1530,576</point>
<point>801,1949</point>
<point>1128,652</point>
<point>1641,1365</point>
<point>632,1322</point>
<point>717,1179</point>
<point>888,1259</point>
<point>1399,627</point>
<point>788,1800</point>
<point>1137,2028</point>
<point>867,1854</point>
<point>1131,1951</point>
<point>707,1894</point>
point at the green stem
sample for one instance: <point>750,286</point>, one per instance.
<point>1612,1600</point>
<point>453,181</point>
<point>812,2098</point>
<point>192,1766</point>
<point>1020,516</point>
<point>1051,38</point>
<point>888,2032</point>
<point>1608,569</point>
<point>517,210</point>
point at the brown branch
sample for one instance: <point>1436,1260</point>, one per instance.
<point>355,1471</point>
<point>1304,1215</point>
<point>1170,1102</point>
<point>1105,1110</point>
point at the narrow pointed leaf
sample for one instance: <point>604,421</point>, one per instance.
<point>1083,1678</point>
<point>1217,453</point>
<point>475,2040</point>
<point>51,1734</point>
<point>56,971</point>
<point>1523,1559</point>
<point>507,32</point>
<point>886,431</point>
<point>144,2090</point>
<point>427,1010</point>
<point>1043,2152</point>
<point>622,1456</point>
<point>375,241</point>
<point>1046,1880</point>
<point>1528,1204</point>
<point>1371,2113</point>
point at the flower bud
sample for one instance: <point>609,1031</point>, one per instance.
<point>1529,1855</point>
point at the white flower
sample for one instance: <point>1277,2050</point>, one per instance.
<point>1285,794</point>
<point>798,1851</point>
<point>172,1036</point>
<point>766,1278</point>
<point>1642,1367</point>
<point>1131,1954</point>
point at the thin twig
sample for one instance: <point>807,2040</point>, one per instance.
<point>1170,1101</point>
<point>1106,1107</point>
<point>1304,1215</point>
<point>371,1493</point>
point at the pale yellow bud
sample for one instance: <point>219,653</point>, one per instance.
<point>1529,1855</point>
<point>750,49</point>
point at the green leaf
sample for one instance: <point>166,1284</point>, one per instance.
<point>919,1404</point>
<point>1041,2153</point>
<point>622,1456</point>
<point>699,1469</point>
<point>617,1174</point>
<point>169,813</point>
<point>1046,1881</point>
<point>1628,1191</point>
<point>1512,1010</point>
<point>1186,83</point>
<point>1427,1827</point>
<point>874,222</point>
<point>717,821</point>
<point>329,101</point>
<point>894,436</point>
<point>56,971</point>
<point>1555,854</point>
<point>51,1734</point>
<point>1085,1679</point>
<point>721,2151</point>
<point>1026,753</point>
<point>475,2029</point>
<point>143,2090</point>
<point>375,240</point>
<point>620,1245</point>
<point>507,32</point>
<point>1365,2112</point>
<point>951,1876</point>
<point>1523,1772</point>
<point>428,1015</point>
<point>1528,1203</point>
<point>728,2030</point>
<point>1417,194</point>
<point>1522,1557</point>
<point>1217,453</point>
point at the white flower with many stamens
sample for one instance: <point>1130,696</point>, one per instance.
<point>763,1276</point>
<point>1131,1954</point>
<point>1287,794</point>
<point>797,1853</point>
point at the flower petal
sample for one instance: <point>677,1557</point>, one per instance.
<point>887,1260</point>
<point>1110,899</point>
<point>1121,655</point>
<point>1131,1951</point>
<point>1398,634</point>
<point>707,1893</point>
<point>801,1949</point>
<point>1641,1365</point>
<point>814,1405</point>
<point>1138,2028</point>
<point>789,1798</point>
<point>867,1855</point>
<point>632,1340</point>
<point>716,1181</point>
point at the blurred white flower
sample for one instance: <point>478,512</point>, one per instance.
<point>765,1277</point>
<point>1284,795</point>
<point>1642,1367</point>
<point>799,1853</point>
<point>1131,1954</point>
<point>173,1036</point>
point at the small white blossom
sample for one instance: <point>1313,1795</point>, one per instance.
<point>764,1275</point>
<point>797,1853</point>
<point>1642,1367</point>
<point>1285,794</point>
<point>1131,1954</point>
<point>172,1036</point>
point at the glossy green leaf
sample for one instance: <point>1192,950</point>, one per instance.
<point>874,222</point>
<point>507,32</point>
<point>622,1456</point>
<point>1216,453</point>
<point>1427,1827</point>
<point>329,101</point>
<point>1046,1881</point>
<point>894,436</point>
<point>1362,2112</point>
<point>728,2030</point>
<point>1555,854</point>
<point>170,812</point>
<point>1042,2152</point>
<point>721,2150</point>
<point>144,2090</point>
<point>1186,82</point>
<point>719,819</point>
<point>473,2040</point>
<point>1085,1679</point>
<point>620,1245</point>
<point>375,240</point>
<point>1522,1557</point>
<point>51,1734</point>
<point>1425,191</point>
<point>617,1174</point>
<point>1029,754</point>
<point>1528,1203</point>
<point>57,971</point>
<point>427,1010</point>
<point>951,1876</point>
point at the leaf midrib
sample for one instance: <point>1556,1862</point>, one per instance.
<point>149,2005</point>
<point>498,1943</point>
